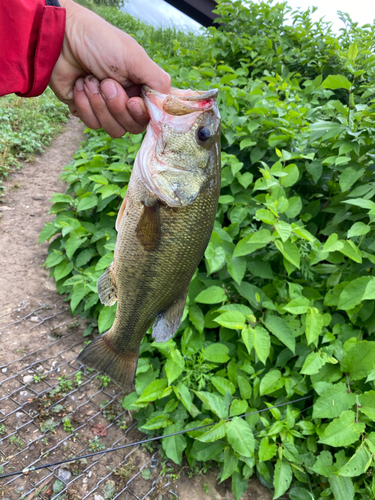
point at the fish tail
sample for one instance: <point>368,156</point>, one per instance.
<point>120,366</point>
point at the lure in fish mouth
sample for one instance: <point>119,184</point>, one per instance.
<point>164,225</point>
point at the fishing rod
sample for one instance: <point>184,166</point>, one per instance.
<point>27,470</point>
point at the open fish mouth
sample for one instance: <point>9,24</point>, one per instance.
<point>182,102</point>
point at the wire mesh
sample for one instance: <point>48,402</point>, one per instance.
<point>51,408</point>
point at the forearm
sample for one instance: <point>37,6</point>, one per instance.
<point>31,36</point>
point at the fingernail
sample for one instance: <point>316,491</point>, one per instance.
<point>109,89</point>
<point>79,84</point>
<point>92,84</point>
<point>135,108</point>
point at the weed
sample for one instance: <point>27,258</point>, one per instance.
<point>78,379</point>
<point>104,380</point>
<point>95,444</point>
<point>3,429</point>
<point>16,441</point>
<point>125,470</point>
<point>68,426</point>
<point>38,378</point>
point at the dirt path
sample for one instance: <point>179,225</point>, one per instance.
<point>39,342</point>
<point>27,196</point>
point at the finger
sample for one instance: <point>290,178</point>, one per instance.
<point>137,110</point>
<point>145,71</point>
<point>99,106</point>
<point>116,101</point>
<point>73,109</point>
<point>83,106</point>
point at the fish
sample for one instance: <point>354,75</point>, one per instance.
<point>164,225</point>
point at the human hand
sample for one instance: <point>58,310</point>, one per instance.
<point>96,64</point>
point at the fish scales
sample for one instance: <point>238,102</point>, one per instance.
<point>164,227</point>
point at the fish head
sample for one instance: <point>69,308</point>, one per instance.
<point>181,149</point>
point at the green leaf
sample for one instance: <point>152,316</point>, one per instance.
<point>357,464</point>
<point>239,485</point>
<point>100,179</point>
<point>271,382</point>
<point>332,244</point>
<point>314,324</point>
<point>87,202</point>
<point>223,385</point>
<point>262,343</point>
<point>196,316</point>
<point>312,364</point>
<point>234,320</point>
<point>283,229</point>
<point>106,318</point>
<point>47,232</point>
<point>159,422</point>
<point>215,257</point>
<point>252,242</point>
<point>297,306</point>
<point>290,251</point>
<point>240,437</point>
<point>266,450</point>
<point>244,387</point>
<point>354,293</point>
<point>214,433</point>
<point>341,487</point>
<point>282,478</point>
<point>353,51</point>
<point>336,82</point>
<point>348,177</point>
<point>350,250</point>
<point>367,402</point>
<point>174,366</point>
<point>73,242</point>
<point>297,493</point>
<point>105,261</point>
<point>62,270</point>
<point>280,328</point>
<point>174,446</point>
<point>333,402</point>
<point>214,402</point>
<point>236,267</point>
<point>211,295</point>
<point>359,361</point>
<point>238,407</point>
<point>218,353</point>
<point>79,291</point>
<point>248,337</point>
<point>342,431</point>
<point>153,392</point>
<point>206,451</point>
<point>358,229</point>
<point>230,463</point>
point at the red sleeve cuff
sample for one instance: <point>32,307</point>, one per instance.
<point>48,48</point>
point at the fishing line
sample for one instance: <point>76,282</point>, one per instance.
<point>156,438</point>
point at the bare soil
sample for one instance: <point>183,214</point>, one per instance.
<point>39,342</point>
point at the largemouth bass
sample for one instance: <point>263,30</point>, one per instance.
<point>164,226</point>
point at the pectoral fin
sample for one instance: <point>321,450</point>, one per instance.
<point>120,214</point>
<point>148,230</point>
<point>107,287</point>
<point>168,321</point>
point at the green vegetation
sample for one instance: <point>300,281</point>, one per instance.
<point>26,126</point>
<point>282,305</point>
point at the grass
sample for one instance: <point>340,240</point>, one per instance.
<point>27,126</point>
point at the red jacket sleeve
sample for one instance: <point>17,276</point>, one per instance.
<point>31,37</point>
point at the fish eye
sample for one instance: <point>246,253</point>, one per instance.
<point>204,133</point>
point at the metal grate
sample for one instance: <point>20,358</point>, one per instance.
<point>52,409</point>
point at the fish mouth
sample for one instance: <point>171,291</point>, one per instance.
<point>181,102</point>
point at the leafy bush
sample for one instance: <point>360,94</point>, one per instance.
<point>27,125</point>
<point>282,305</point>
